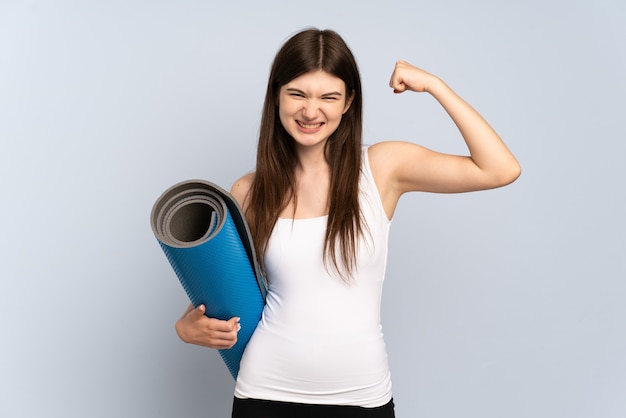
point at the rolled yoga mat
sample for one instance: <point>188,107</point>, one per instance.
<point>206,239</point>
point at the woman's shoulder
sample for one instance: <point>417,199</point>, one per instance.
<point>241,188</point>
<point>382,155</point>
<point>388,155</point>
<point>388,161</point>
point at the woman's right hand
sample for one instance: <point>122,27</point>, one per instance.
<point>196,328</point>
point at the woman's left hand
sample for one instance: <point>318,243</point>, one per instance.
<point>408,77</point>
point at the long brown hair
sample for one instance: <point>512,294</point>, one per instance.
<point>274,181</point>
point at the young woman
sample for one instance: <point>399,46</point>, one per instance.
<point>319,206</point>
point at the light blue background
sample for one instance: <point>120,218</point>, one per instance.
<point>505,303</point>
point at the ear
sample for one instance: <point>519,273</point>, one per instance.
<point>348,103</point>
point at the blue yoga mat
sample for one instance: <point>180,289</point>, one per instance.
<point>206,239</point>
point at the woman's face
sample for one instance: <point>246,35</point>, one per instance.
<point>310,107</point>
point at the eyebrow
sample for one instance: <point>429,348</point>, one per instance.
<point>332,93</point>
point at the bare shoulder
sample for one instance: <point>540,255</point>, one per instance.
<point>386,160</point>
<point>378,152</point>
<point>389,148</point>
<point>241,188</point>
<point>387,156</point>
<point>396,168</point>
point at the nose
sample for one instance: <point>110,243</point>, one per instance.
<point>310,109</point>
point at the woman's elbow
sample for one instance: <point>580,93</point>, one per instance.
<point>508,175</point>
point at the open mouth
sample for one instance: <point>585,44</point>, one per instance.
<point>309,126</point>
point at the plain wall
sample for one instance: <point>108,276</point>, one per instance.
<point>503,303</point>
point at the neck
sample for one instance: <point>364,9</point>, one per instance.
<point>311,159</point>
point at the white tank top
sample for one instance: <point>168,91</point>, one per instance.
<point>320,339</point>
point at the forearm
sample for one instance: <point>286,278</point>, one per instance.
<point>486,148</point>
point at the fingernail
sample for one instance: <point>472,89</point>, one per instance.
<point>238,327</point>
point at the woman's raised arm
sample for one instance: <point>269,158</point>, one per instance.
<point>401,167</point>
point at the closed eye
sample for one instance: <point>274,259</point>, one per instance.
<point>295,93</point>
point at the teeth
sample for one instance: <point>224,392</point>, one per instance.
<point>304,125</point>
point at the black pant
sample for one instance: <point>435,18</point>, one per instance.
<point>255,408</point>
